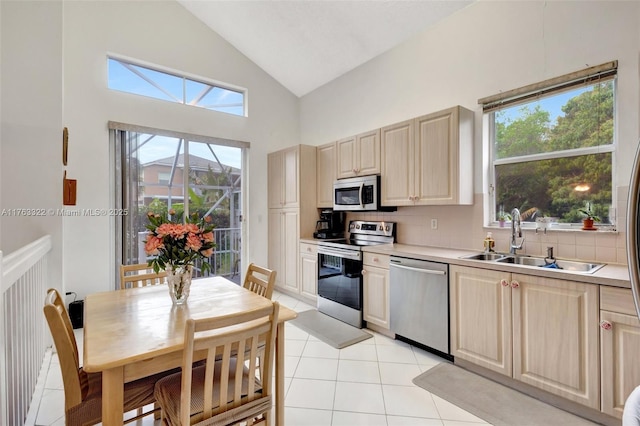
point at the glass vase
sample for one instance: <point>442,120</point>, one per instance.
<point>179,282</point>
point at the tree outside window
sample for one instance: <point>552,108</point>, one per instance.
<point>554,154</point>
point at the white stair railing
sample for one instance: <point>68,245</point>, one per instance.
<point>23,338</point>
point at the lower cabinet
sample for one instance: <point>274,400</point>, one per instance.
<point>284,225</point>
<point>375,277</point>
<point>309,270</point>
<point>620,346</point>
<point>537,330</point>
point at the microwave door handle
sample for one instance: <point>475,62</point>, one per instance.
<point>360,195</point>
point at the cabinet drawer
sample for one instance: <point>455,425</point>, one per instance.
<point>375,259</point>
<point>617,300</point>
<point>311,249</point>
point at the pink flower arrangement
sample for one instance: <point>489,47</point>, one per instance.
<point>179,244</point>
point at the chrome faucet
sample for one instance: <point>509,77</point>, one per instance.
<point>515,229</point>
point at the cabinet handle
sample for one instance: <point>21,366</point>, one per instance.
<point>504,283</point>
<point>364,272</point>
<point>375,259</point>
<point>515,284</point>
<point>605,325</point>
<point>308,249</point>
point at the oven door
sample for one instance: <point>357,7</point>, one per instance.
<point>340,276</point>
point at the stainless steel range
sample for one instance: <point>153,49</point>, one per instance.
<point>340,269</point>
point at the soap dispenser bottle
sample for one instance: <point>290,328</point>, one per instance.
<point>489,242</point>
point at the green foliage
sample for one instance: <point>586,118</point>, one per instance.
<point>548,185</point>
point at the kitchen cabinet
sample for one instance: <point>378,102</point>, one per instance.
<point>428,160</point>
<point>620,346</point>
<point>292,210</point>
<point>326,174</point>
<point>375,277</point>
<point>359,155</point>
<point>284,225</point>
<point>539,331</point>
<point>309,270</point>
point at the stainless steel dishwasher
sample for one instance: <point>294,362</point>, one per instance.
<point>419,296</point>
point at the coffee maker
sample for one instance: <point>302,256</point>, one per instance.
<point>330,225</point>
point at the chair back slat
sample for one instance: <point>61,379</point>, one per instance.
<point>140,275</point>
<point>260,280</point>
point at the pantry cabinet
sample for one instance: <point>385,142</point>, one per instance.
<point>620,346</point>
<point>428,160</point>
<point>309,270</point>
<point>326,174</point>
<point>539,331</point>
<point>292,210</point>
<point>359,155</point>
<point>375,276</point>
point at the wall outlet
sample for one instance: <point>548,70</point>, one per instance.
<point>434,223</point>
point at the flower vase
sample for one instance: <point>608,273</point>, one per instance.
<point>179,282</point>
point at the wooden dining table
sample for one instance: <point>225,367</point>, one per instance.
<point>134,333</point>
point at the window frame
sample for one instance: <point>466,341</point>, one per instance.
<point>522,96</point>
<point>184,76</point>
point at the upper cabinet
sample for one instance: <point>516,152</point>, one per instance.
<point>428,160</point>
<point>283,168</point>
<point>325,174</point>
<point>359,155</point>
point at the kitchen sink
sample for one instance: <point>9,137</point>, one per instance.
<point>537,262</point>
<point>485,256</point>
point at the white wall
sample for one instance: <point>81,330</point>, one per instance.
<point>486,48</point>
<point>31,132</point>
<point>162,33</point>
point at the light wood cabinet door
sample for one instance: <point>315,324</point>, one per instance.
<point>282,175</point>
<point>284,238</point>
<point>397,169</point>
<point>619,348</point>
<point>346,157</point>
<point>309,270</point>
<point>275,179</point>
<point>376,295</point>
<point>275,256</point>
<point>555,337</point>
<point>428,160</point>
<point>325,174</point>
<point>620,369</point>
<point>480,317</point>
<point>359,155</point>
<point>368,153</point>
<point>290,241</point>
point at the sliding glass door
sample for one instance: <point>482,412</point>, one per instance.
<point>159,173</point>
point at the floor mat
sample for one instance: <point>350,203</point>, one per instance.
<point>328,329</point>
<point>492,402</point>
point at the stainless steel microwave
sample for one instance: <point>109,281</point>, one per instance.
<point>357,194</point>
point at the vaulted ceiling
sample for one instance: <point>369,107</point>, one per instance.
<point>306,44</point>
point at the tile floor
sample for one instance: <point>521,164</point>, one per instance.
<point>368,383</point>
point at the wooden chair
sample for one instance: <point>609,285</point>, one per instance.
<point>260,280</point>
<point>222,391</point>
<point>82,390</point>
<point>140,275</point>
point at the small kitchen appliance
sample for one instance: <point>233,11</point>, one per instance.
<point>340,269</point>
<point>330,225</point>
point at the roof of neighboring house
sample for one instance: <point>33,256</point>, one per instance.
<point>195,163</point>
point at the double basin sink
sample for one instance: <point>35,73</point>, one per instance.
<point>537,262</point>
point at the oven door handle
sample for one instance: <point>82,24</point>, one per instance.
<point>341,253</point>
<point>360,195</point>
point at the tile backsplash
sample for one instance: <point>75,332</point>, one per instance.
<point>461,227</point>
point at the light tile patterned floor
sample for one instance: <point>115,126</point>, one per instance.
<point>368,383</point>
